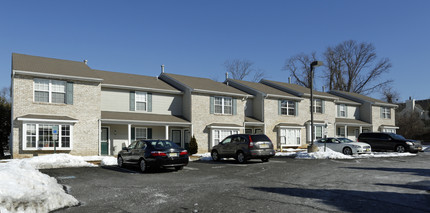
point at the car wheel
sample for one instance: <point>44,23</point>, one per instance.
<point>120,161</point>
<point>177,168</point>
<point>400,149</point>
<point>215,156</point>
<point>240,157</point>
<point>347,151</point>
<point>265,159</point>
<point>142,165</point>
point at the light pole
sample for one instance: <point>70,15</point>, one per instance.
<point>313,148</point>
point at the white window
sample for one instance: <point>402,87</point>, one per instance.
<point>290,136</point>
<point>288,107</point>
<point>386,112</point>
<point>49,91</point>
<point>219,134</point>
<point>318,132</point>
<point>223,105</point>
<point>318,105</point>
<point>389,130</point>
<point>140,133</point>
<point>141,101</point>
<point>41,136</point>
<point>342,110</point>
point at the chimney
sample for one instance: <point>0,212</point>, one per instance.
<point>85,61</point>
<point>226,75</point>
<point>289,80</point>
<point>410,104</point>
<point>162,68</point>
<point>323,88</point>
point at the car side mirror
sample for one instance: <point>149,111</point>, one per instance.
<point>125,148</point>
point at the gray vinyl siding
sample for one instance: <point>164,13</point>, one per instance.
<point>119,101</point>
<point>249,108</point>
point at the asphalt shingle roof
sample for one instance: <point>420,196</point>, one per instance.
<point>206,84</point>
<point>54,66</point>
<point>263,88</point>
<point>301,89</point>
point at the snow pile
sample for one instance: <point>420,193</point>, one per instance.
<point>328,154</point>
<point>55,161</point>
<point>286,154</point>
<point>385,155</point>
<point>204,157</point>
<point>25,189</point>
<point>108,161</point>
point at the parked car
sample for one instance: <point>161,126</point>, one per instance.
<point>153,153</point>
<point>345,146</point>
<point>243,147</point>
<point>390,141</point>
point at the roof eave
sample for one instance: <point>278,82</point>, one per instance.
<point>49,75</point>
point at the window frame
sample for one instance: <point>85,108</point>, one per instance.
<point>37,136</point>
<point>140,128</point>
<point>285,140</point>
<point>217,134</point>
<point>50,90</point>
<point>320,107</point>
<point>223,105</point>
<point>139,101</point>
<point>342,109</point>
<point>289,105</point>
<point>386,112</point>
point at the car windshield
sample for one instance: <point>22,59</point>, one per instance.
<point>397,137</point>
<point>345,140</point>
<point>163,144</point>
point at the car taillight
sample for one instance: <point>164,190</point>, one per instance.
<point>183,152</point>
<point>158,153</point>
<point>251,144</point>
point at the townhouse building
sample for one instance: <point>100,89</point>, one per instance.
<point>65,106</point>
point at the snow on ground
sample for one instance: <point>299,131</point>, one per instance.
<point>204,157</point>
<point>25,189</point>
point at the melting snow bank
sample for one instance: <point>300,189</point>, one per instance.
<point>25,189</point>
<point>330,154</point>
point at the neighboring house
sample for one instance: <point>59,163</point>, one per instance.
<point>324,109</point>
<point>376,115</point>
<point>214,109</point>
<point>277,113</point>
<point>86,111</point>
<point>419,106</point>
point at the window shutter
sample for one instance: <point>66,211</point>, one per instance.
<point>323,106</point>
<point>279,107</point>
<point>149,100</point>
<point>296,107</point>
<point>234,105</point>
<point>132,101</point>
<point>133,134</point>
<point>149,133</point>
<point>338,110</point>
<point>69,93</point>
<point>382,112</point>
<point>211,105</point>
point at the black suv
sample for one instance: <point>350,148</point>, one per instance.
<point>389,141</point>
<point>243,147</point>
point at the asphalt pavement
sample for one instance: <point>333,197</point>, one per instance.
<point>400,184</point>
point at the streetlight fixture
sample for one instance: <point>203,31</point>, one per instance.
<point>313,148</point>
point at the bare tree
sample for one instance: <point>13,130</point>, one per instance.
<point>299,68</point>
<point>354,67</point>
<point>5,119</point>
<point>410,125</point>
<point>390,95</point>
<point>241,69</point>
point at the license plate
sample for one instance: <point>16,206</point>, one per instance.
<point>264,146</point>
<point>173,154</point>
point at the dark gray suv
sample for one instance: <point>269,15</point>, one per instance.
<point>243,147</point>
<point>389,141</point>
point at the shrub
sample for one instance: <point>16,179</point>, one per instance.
<point>193,145</point>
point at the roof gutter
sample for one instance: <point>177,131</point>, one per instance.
<point>38,74</point>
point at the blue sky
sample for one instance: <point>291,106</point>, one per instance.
<point>196,37</point>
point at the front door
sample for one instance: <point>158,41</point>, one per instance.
<point>176,137</point>
<point>104,143</point>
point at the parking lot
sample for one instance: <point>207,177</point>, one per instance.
<point>282,185</point>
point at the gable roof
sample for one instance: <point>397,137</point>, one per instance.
<point>361,98</point>
<point>202,85</point>
<point>133,81</point>
<point>298,90</point>
<point>267,90</point>
<point>42,66</point>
